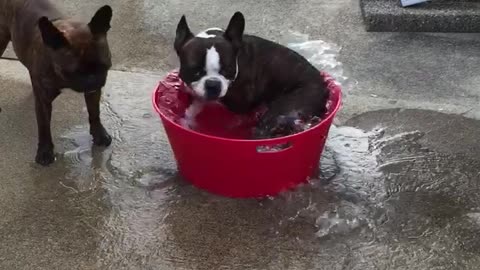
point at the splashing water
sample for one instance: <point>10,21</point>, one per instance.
<point>356,184</point>
<point>189,120</point>
<point>351,171</point>
<point>356,152</point>
<point>321,54</point>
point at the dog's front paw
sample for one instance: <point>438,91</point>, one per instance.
<point>101,137</point>
<point>278,127</point>
<point>260,133</point>
<point>45,156</point>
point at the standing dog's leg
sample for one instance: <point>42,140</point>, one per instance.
<point>98,132</point>
<point>4,40</point>
<point>43,111</point>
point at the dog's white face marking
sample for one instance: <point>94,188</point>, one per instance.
<point>212,68</point>
<point>204,34</point>
<point>212,63</point>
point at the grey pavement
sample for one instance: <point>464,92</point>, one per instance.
<point>400,180</point>
<point>458,16</point>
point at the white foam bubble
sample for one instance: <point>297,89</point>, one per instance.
<point>475,217</point>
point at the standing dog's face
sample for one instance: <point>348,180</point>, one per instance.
<point>208,61</point>
<point>79,51</point>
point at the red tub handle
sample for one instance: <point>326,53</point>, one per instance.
<point>274,146</point>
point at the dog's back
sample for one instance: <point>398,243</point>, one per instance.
<point>5,7</point>
<point>18,19</point>
<point>271,71</point>
<point>286,69</point>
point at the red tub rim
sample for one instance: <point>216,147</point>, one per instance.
<point>278,140</point>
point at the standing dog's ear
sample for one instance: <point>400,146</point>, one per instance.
<point>234,32</point>
<point>183,34</point>
<point>100,23</point>
<point>52,37</point>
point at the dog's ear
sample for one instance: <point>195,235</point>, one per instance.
<point>52,37</point>
<point>100,23</point>
<point>234,32</point>
<point>183,34</point>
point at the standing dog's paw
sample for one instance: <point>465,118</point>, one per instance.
<point>101,137</point>
<point>45,156</point>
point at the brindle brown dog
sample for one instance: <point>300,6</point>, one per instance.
<point>59,53</point>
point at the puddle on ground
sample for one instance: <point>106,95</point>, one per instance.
<point>391,194</point>
<point>398,190</point>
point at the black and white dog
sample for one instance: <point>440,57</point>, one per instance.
<point>244,72</point>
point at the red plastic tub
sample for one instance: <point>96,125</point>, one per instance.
<point>234,167</point>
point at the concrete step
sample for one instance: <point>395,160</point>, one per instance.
<point>434,16</point>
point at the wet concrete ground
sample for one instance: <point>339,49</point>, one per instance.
<point>399,186</point>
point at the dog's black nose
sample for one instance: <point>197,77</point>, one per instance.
<point>213,87</point>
